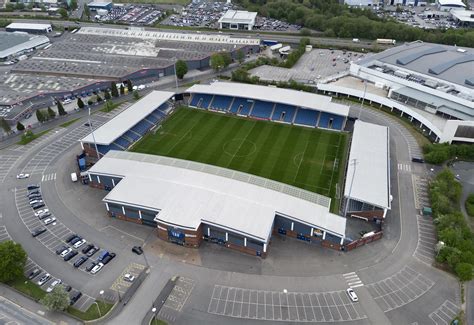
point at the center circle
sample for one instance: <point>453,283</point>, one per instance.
<point>239,147</point>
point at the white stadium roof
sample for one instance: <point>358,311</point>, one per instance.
<point>110,131</point>
<point>187,193</point>
<point>273,94</point>
<point>370,174</point>
<point>29,26</point>
<point>238,16</point>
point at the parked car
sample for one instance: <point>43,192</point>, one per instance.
<point>81,260</point>
<point>69,238</point>
<point>87,248</point>
<point>32,193</point>
<point>67,288</point>
<point>103,255</point>
<point>91,266</point>
<point>53,284</point>
<point>137,250</point>
<point>32,187</point>
<point>97,268</point>
<point>108,258</point>
<point>128,277</point>
<point>75,240</point>
<point>65,252</point>
<point>35,197</point>
<point>36,201</point>
<point>70,255</point>
<point>34,273</point>
<point>92,251</point>
<point>40,212</point>
<point>79,243</point>
<point>45,215</point>
<point>45,278</point>
<point>38,231</point>
<point>75,297</point>
<point>352,295</point>
<point>37,206</point>
<point>49,220</point>
<point>61,249</point>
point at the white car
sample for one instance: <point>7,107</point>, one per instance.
<point>352,295</point>
<point>41,212</point>
<point>53,284</point>
<point>49,220</point>
<point>128,277</point>
<point>45,278</point>
<point>79,243</point>
<point>22,176</point>
<point>35,202</point>
<point>97,268</point>
<point>65,252</point>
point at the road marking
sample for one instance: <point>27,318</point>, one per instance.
<point>353,280</point>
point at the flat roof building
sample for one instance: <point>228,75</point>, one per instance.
<point>464,18</point>
<point>18,43</point>
<point>97,5</point>
<point>237,19</point>
<point>447,5</point>
<point>29,28</point>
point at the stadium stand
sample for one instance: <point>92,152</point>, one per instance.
<point>201,101</point>
<point>122,142</point>
<point>141,127</point>
<point>262,109</point>
<point>283,113</point>
<point>239,105</point>
<point>221,103</point>
<point>132,135</point>
<point>331,121</point>
<point>306,117</point>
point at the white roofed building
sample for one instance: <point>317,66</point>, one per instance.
<point>464,18</point>
<point>29,28</point>
<point>447,5</point>
<point>237,19</point>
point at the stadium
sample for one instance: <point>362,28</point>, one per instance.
<point>234,164</point>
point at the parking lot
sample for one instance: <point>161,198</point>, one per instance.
<point>421,17</point>
<point>134,14</point>
<point>176,299</point>
<point>400,289</point>
<point>332,306</point>
<point>310,68</point>
<point>7,162</point>
<point>120,284</point>
<point>445,313</point>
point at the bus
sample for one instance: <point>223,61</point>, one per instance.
<point>386,41</point>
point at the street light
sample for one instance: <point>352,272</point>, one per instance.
<point>92,133</point>
<point>101,292</point>
<point>153,310</point>
<point>354,163</point>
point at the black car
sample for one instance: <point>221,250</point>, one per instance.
<point>87,124</point>
<point>37,206</point>
<point>418,160</point>
<point>32,187</point>
<point>75,297</point>
<point>34,197</point>
<point>44,215</point>
<point>137,250</point>
<point>69,238</point>
<point>61,249</point>
<point>87,248</point>
<point>67,288</point>
<point>75,240</point>
<point>108,258</point>
<point>92,251</point>
<point>34,273</point>
<point>38,231</point>
<point>81,260</point>
<point>91,266</point>
<point>30,194</point>
<point>70,255</point>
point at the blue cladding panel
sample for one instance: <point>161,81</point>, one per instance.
<point>132,213</point>
<point>306,117</point>
<point>302,229</point>
<point>287,109</point>
<point>262,109</point>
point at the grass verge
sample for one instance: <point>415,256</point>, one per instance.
<point>25,139</point>
<point>470,205</point>
<point>156,321</point>
<point>92,312</point>
<point>110,106</point>
<point>28,288</point>
<point>64,125</point>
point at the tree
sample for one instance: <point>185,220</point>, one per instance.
<point>114,90</point>
<point>20,127</point>
<point>61,110</point>
<point>56,300</point>
<point>240,56</point>
<point>122,89</point>
<point>80,103</point>
<point>227,59</point>
<point>464,271</point>
<point>129,85</point>
<point>51,113</point>
<point>12,261</point>
<point>5,126</point>
<point>136,95</point>
<point>107,95</point>
<point>20,6</point>
<point>98,98</point>
<point>181,69</point>
<point>217,61</point>
<point>86,11</point>
<point>39,116</point>
<point>63,12</point>
<point>73,5</point>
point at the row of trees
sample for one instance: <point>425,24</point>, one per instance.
<point>337,20</point>
<point>451,227</point>
<point>438,153</point>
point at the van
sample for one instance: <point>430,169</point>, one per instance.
<point>74,177</point>
<point>355,40</point>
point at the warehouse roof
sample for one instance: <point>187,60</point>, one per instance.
<point>238,16</point>
<point>368,171</point>
<point>457,3</point>
<point>29,26</point>
<point>463,15</point>
<point>274,95</point>
<point>187,193</point>
<point>110,131</point>
<point>12,43</point>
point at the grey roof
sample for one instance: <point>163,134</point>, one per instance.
<point>29,26</point>
<point>273,94</point>
<point>463,15</point>
<point>238,16</point>
<point>12,43</point>
<point>110,131</point>
<point>187,193</point>
<point>449,63</point>
<point>368,170</point>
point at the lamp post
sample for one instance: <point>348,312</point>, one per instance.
<point>98,308</point>
<point>354,163</point>
<point>153,310</point>
<point>92,133</point>
<point>175,74</point>
<point>363,98</point>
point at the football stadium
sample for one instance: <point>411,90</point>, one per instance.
<point>231,164</point>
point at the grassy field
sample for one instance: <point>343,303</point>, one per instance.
<point>311,159</point>
<point>28,288</point>
<point>93,311</point>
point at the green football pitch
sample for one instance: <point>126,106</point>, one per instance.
<point>311,159</point>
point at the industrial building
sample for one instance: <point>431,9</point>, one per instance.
<point>269,103</point>
<point>237,20</point>
<point>463,18</point>
<point>29,28</point>
<point>447,5</point>
<point>13,45</point>
<point>431,84</point>
<point>94,6</point>
<point>190,202</point>
<point>367,186</point>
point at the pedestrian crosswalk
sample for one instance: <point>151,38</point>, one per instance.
<point>404,167</point>
<point>353,280</point>
<point>48,177</point>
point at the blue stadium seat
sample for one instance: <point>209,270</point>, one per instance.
<point>132,135</point>
<point>241,103</point>
<point>152,118</point>
<point>141,127</point>
<point>221,103</point>
<point>201,100</point>
<point>306,117</point>
<point>262,109</point>
<point>338,122</point>
<point>194,100</point>
<point>114,147</point>
<point>284,113</point>
<point>163,107</point>
<point>103,149</point>
<point>331,121</point>
<point>122,142</point>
